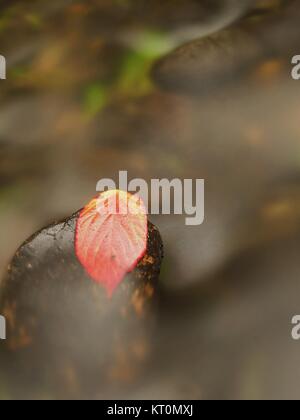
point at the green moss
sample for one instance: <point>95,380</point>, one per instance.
<point>18,72</point>
<point>34,20</point>
<point>133,79</point>
<point>153,44</point>
<point>95,98</point>
<point>134,74</point>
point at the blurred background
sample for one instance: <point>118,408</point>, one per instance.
<point>170,89</point>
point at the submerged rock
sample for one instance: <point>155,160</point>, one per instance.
<point>65,337</point>
<point>232,54</point>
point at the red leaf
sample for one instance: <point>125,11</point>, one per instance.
<point>111,237</point>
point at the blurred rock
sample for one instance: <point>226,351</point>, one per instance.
<point>230,55</point>
<point>232,337</point>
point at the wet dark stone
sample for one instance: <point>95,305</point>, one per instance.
<point>208,62</point>
<point>66,338</point>
<point>230,55</point>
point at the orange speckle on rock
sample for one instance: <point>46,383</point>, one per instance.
<point>149,290</point>
<point>148,259</point>
<point>20,340</point>
<point>123,370</point>
<point>138,302</point>
<point>9,313</point>
<point>269,71</point>
<point>255,136</point>
<point>79,9</point>
<point>278,210</point>
<point>70,378</point>
<point>140,350</point>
